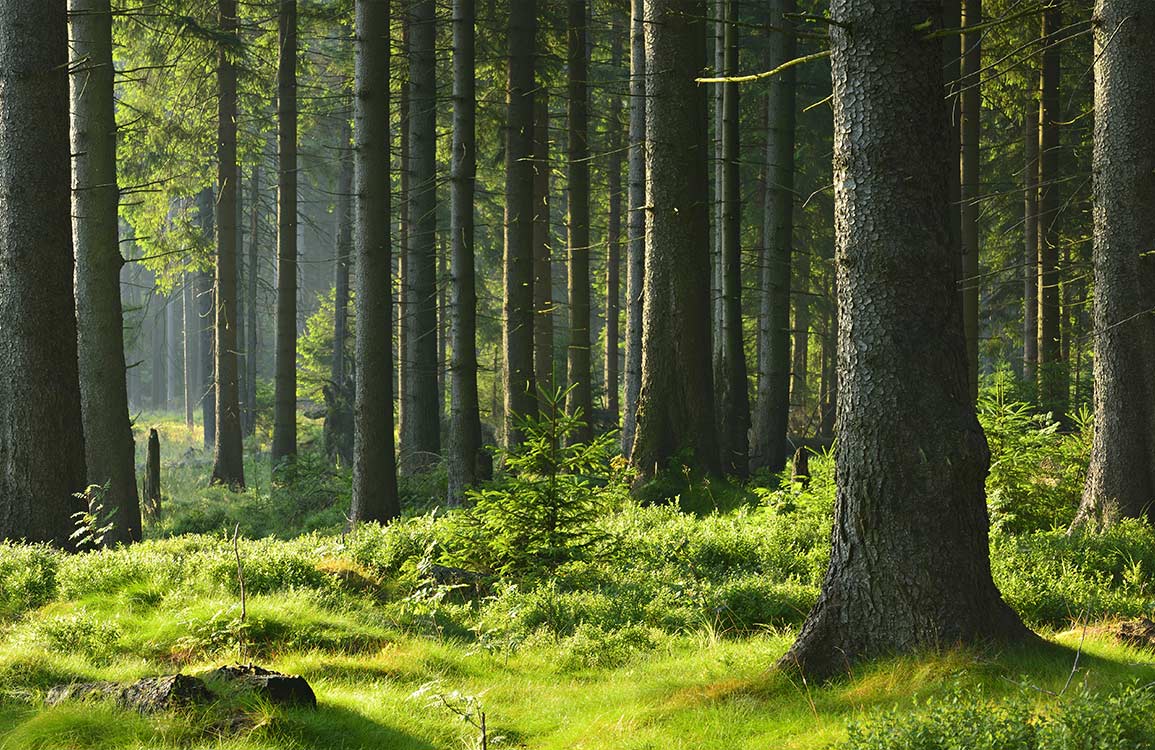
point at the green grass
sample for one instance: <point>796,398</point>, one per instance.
<point>656,646</point>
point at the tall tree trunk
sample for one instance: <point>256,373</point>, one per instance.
<point>718,311</point>
<point>676,404</point>
<point>190,337</point>
<point>375,496</point>
<point>614,235</point>
<point>159,361</point>
<point>42,444</point>
<point>1121,477</point>
<point>910,564</point>
<point>251,311</point>
<point>773,403</point>
<point>517,314</point>
<point>206,321</point>
<point>730,379</point>
<point>285,378</point>
<point>421,433</point>
<point>800,350</point>
<point>228,459</point>
<point>405,293</point>
<point>1052,382</point>
<point>579,399</point>
<point>970,101</point>
<point>108,445</point>
<point>636,224</point>
<point>338,417</point>
<point>173,366</point>
<point>465,414</point>
<point>1031,245</point>
<point>952,70</point>
<point>542,250</point>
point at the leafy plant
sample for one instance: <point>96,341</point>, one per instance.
<point>93,524</point>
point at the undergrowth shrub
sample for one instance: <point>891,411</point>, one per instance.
<point>27,577</point>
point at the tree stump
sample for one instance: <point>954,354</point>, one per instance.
<point>802,467</point>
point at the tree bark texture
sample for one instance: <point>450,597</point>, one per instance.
<point>206,325</point>
<point>910,565</point>
<point>518,315</point>
<point>465,416</point>
<point>1031,245</point>
<point>339,414</point>
<point>375,496</point>
<point>41,431</point>
<point>970,101</point>
<point>636,224</point>
<point>612,362</point>
<point>1052,375</point>
<point>285,379</point>
<point>1121,477</point>
<point>772,404</point>
<point>579,399</point>
<point>228,459</point>
<point>542,250</point>
<point>676,402</point>
<point>108,445</point>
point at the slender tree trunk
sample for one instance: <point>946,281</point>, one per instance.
<point>173,366</point>
<point>228,460</point>
<point>191,337</point>
<point>465,415</point>
<point>970,100</point>
<point>718,309</point>
<point>108,443</point>
<point>614,236</point>
<point>1121,477</point>
<point>800,350</point>
<point>421,433</point>
<point>579,399</point>
<point>542,254</point>
<point>208,397</point>
<point>676,405</point>
<point>636,224</point>
<point>1052,382</point>
<point>159,362</point>
<point>375,496</point>
<point>952,71</point>
<point>1031,246</point>
<point>404,304</point>
<point>339,425</point>
<point>517,329</point>
<point>42,444</point>
<point>910,564</point>
<point>730,378</point>
<point>285,380</point>
<point>251,311</point>
<point>772,414</point>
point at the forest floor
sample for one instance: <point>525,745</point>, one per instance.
<point>399,675</point>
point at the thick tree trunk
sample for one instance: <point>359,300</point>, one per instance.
<point>579,399</point>
<point>108,443</point>
<point>517,314</point>
<point>339,414</point>
<point>228,459</point>
<point>1121,477</point>
<point>421,433</point>
<point>636,224</point>
<point>465,415</point>
<point>676,404</point>
<point>910,564</point>
<point>41,430</point>
<point>772,415</point>
<point>733,390</point>
<point>614,236</point>
<point>375,496</point>
<point>1052,376</point>
<point>1031,245</point>
<point>542,250</point>
<point>970,101</point>
<point>285,377</point>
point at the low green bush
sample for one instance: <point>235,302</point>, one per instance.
<point>28,577</point>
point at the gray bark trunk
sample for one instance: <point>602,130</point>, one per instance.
<point>41,432</point>
<point>800,349</point>
<point>1031,245</point>
<point>614,237</point>
<point>108,444</point>
<point>465,415</point>
<point>1052,380</point>
<point>542,249</point>
<point>970,101</point>
<point>228,458</point>
<point>636,225</point>
<point>421,433</point>
<point>375,496</point>
<point>772,415</point>
<point>190,337</point>
<point>205,308</point>
<point>338,417</point>
<point>579,399</point>
<point>250,425</point>
<point>676,404</point>
<point>285,378</point>
<point>910,565</point>
<point>517,315</point>
<point>1121,477</point>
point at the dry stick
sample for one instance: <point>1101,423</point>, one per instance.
<point>769,73</point>
<point>241,582</point>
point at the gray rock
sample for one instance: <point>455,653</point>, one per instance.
<point>147,695</point>
<point>276,688</point>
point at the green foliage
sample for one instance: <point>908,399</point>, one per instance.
<point>28,577</point>
<point>545,510</point>
<point>964,720</point>
<point>1037,472</point>
<point>94,523</point>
